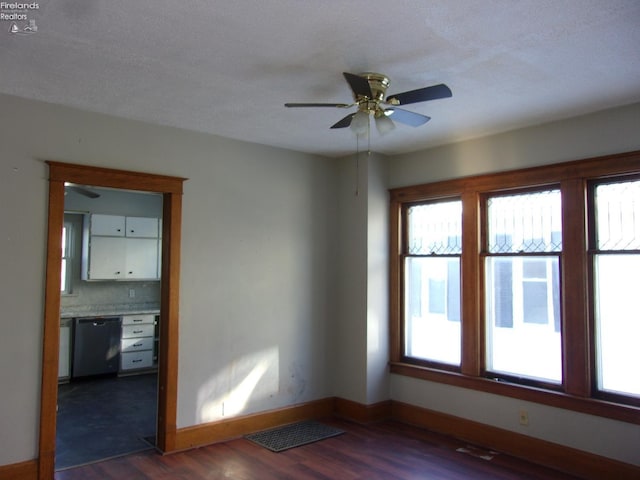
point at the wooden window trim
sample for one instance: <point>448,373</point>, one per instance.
<point>171,189</point>
<point>577,349</point>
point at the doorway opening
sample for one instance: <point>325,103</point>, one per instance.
<point>109,324</point>
<point>171,190</point>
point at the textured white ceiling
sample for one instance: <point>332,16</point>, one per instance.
<point>227,67</point>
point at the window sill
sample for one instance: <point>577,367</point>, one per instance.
<point>591,406</point>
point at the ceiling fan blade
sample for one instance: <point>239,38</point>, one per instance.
<point>407,117</point>
<point>420,95</point>
<point>345,122</point>
<point>301,105</point>
<point>83,191</point>
<point>358,84</point>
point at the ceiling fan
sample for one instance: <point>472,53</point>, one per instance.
<point>70,187</point>
<point>369,91</point>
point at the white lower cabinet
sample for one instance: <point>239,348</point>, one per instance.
<point>64,352</point>
<point>136,360</point>
<point>136,344</point>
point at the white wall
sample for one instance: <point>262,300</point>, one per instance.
<point>258,228</point>
<point>115,202</point>
<point>607,132</point>
<point>603,133</point>
<point>348,349</point>
<point>360,342</point>
<point>609,438</point>
<point>377,281</point>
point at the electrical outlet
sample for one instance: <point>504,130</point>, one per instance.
<point>132,293</point>
<point>523,415</point>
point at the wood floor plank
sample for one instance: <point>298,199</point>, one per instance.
<point>384,451</point>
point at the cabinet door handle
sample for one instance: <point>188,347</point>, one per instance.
<point>137,344</point>
<point>137,319</point>
<point>138,331</point>
<point>136,361</point>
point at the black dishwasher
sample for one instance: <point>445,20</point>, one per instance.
<point>96,346</point>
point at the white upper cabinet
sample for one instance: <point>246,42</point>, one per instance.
<point>121,248</point>
<point>144,227</point>
<point>108,225</point>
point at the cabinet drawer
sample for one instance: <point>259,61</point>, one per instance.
<point>133,331</point>
<point>136,344</point>
<point>135,360</point>
<point>138,319</point>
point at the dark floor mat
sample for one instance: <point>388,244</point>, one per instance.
<point>295,435</point>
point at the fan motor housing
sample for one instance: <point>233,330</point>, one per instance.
<point>378,84</point>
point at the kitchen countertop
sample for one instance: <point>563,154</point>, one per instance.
<point>109,310</point>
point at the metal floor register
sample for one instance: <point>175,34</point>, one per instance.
<point>294,435</point>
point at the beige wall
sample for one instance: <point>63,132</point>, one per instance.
<point>258,230</point>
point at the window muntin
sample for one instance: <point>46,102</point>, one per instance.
<point>616,267</point>
<point>432,327</point>
<point>522,304</point>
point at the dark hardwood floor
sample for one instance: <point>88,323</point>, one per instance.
<point>104,417</point>
<point>383,451</point>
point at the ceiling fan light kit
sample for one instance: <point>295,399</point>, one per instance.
<point>369,90</point>
<point>360,123</point>
<point>384,124</point>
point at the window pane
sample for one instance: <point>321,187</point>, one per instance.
<point>63,276</point>
<point>64,242</point>
<point>432,323</point>
<point>435,228</point>
<point>618,216</point>
<point>616,277</point>
<point>530,222</point>
<point>618,323</point>
<point>523,324</point>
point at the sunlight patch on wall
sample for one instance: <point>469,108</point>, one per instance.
<point>373,332</point>
<point>249,378</point>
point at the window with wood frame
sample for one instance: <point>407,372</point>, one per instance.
<point>615,252</point>
<point>522,283</point>
<point>523,338</point>
<point>432,282</point>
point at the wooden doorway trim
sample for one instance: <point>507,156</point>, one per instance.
<point>171,189</point>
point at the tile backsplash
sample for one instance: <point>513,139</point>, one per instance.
<point>94,297</point>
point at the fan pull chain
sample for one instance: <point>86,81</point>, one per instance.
<point>357,165</point>
<point>358,155</point>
